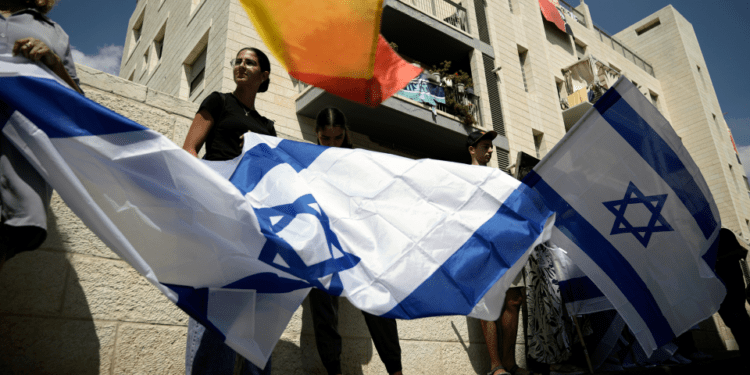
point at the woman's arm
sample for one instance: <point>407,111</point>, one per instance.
<point>36,50</point>
<point>198,132</point>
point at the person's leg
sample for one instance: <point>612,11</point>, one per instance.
<point>248,368</point>
<point>491,338</point>
<point>206,352</point>
<point>514,297</point>
<point>324,309</point>
<point>384,333</point>
<point>732,309</point>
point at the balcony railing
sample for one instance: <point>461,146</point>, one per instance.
<point>468,99</point>
<point>437,96</point>
<point>577,15</point>
<point>444,10</point>
<point>623,50</point>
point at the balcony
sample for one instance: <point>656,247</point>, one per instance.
<point>445,10</point>
<point>585,82</point>
<point>573,13</point>
<point>425,26</point>
<point>625,51</point>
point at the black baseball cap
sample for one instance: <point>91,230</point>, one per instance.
<point>478,135</point>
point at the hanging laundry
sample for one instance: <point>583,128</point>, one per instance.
<point>552,12</point>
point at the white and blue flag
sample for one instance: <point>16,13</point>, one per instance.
<point>238,244</point>
<point>635,215</point>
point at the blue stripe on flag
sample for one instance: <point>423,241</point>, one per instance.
<point>607,257</point>
<point>259,160</point>
<point>457,286</point>
<point>579,289</point>
<point>657,153</point>
<point>59,111</point>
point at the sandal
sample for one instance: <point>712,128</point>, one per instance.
<point>500,367</point>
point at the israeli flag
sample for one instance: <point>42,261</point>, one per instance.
<point>635,215</point>
<point>238,244</point>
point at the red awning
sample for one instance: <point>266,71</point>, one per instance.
<point>551,14</point>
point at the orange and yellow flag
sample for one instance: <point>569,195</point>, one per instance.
<point>333,44</point>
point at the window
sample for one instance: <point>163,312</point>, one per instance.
<point>538,143</point>
<point>734,178</point>
<point>158,47</point>
<point>700,73</point>
<point>145,63</point>
<point>580,50</point>
<point>135,32</point>
<point>132,75</point>
<point>560,84</point>
<point>197,73</point>
<point>747,184</point>
<point>510,5</point>
<point>654,98</point>
<point>648,26</point>
<point>522,59</point>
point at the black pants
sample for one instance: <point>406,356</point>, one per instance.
<point>383,331</point>
<point>732,309</point>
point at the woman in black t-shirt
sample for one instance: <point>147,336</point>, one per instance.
<point>221,119</point>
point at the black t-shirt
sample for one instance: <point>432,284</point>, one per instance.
<point>231,119</point>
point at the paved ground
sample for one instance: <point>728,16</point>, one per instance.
<point>724,363</point>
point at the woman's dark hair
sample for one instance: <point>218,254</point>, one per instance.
<point>265,65</point>
<point>332,117</point>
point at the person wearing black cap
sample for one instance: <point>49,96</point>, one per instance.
<point>480,146</point>
<point>500,344</point>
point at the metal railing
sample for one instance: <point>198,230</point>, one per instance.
<point>444,10</point>
<point>467,99</point>
<point>578,15</point>
<point>624,50</point>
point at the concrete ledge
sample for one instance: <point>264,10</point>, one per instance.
<point>109,83</point>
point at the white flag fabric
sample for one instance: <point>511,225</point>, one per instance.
<point>635,215</point>
<point>238,244</point>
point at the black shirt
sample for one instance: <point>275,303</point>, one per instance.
<point>231,119</point>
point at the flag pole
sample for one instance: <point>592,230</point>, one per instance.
<point>580,336</point>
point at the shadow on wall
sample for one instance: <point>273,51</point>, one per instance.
<point>38,332</point>
<point>356,352</point>
<point>477,353</point>
<point>558,38</point>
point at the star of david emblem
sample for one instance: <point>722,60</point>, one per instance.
<point>653,203</point>
<point>295,244</point>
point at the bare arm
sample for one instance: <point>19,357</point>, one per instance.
<point>35,50</point>
<point>198,132</point>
